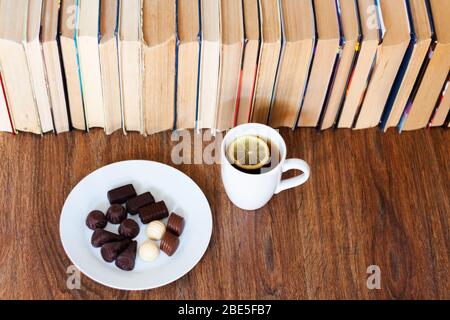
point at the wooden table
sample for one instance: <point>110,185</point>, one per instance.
<point>373,199</point>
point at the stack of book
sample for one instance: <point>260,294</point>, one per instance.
<point>155,65</point>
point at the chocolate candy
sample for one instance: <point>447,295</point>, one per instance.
<point>122,194</point>
<point>149,251</point>
<point>134,204</point>
<point>156,230</point>
<point>100,237</point>
<point>127,258</point>
<point>169,243</point>
<point>96,220</point>
<point>129,229</point>
<point>111,250</point>
<point>152,212</point>
<point>175,224</point>
<point>116,214</point>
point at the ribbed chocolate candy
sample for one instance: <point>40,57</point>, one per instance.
<point>175,224</point>
<point>116,214</point>
<point>152,212</point>
<point>169,243</point>
<point>127,258</point>
<point>134,204</point>
<point>122,194</point>
<point>111,250</point>
<point>129,229</point>
<point>100,237</point>
<point>96,220</point>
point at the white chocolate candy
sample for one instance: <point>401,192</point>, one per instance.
<point>149,251</point>
<point>156,230</point>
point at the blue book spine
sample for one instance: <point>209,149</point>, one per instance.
<point>77,51</point>
<point>382,27</point>
<point>99,33</point>
<point>423,69</point>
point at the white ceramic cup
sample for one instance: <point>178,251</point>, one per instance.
<point>254,191</point>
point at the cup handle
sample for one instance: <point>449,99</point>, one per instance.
<point>294,164</point>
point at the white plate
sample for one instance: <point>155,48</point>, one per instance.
<point>181,194</point>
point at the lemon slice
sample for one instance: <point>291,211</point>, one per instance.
<point>248,152</point>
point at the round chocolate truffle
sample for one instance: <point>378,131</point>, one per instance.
<point>96,220</point>
<point>156,230</point>
<point>116,214</point>
<point>129,229</point>
<point>148,251</point>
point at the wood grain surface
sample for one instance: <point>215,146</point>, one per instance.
<point>373,199</point>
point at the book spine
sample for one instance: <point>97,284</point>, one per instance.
<point>417,85</point>
<point>77,50</point>
<point>241,71</point>
<point>423,69</point>
<point>258,58</point>
<point>13,131</point>
<point>119,59</point>
<point>430,19</point>
<point>352,66</point>
<point>438,105</point>
<point>199,63</point>
<point>337,62</point>
<point>382,27</point>
<point>382,32</point>
<point>238,95</point>
<point>366,87</point>
<point>280,59</point>
<point>63,70</point>
<point>29,68</point>
<point>402,71</point>
<point>311,62</point>
<point>177,53</point>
